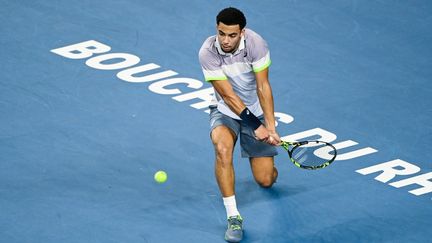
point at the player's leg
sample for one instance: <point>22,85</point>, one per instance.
<point>224,132</point>
<point>263,170</point>
<point>223,141</point>
<point>260,156</point>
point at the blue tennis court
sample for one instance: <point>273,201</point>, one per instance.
<point>81,136</point>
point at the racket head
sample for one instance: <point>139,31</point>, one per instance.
<point>310,155</point>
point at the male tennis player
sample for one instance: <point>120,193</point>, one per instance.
<point>236,62</point>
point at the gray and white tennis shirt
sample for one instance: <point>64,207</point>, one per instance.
<point>238,68</point>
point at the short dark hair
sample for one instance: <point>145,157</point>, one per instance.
<point>231,16</point>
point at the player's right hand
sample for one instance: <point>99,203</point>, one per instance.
<point>274,136</point>
<point>264,135</point>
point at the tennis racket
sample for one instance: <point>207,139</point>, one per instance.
<point>305,154</point>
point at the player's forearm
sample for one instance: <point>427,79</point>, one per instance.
<point>234,103</point>
<point>266,100</point>
<point>231,99</point>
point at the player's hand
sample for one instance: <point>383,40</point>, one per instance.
<point>268,136</point>
<point>274,138</point>
<point>261,133</point>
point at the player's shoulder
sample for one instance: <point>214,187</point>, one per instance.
<point>208,48</point>
<point>252,34</point>
<point>254,38</point>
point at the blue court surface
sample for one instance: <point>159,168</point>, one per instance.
<point>82,136</point>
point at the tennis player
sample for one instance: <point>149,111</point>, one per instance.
<point>236,61</point>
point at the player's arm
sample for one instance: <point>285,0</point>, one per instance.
<point>224,89</point>
<point>265,96</point>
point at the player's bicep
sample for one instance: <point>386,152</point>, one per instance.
<point>262,79</point>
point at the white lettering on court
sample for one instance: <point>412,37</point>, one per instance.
<point>162,82</point>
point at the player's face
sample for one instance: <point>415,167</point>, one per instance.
<point>229,36</point>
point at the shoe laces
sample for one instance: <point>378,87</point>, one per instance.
<point>235,222</point>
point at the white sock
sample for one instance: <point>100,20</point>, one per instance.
<point>230,206</point>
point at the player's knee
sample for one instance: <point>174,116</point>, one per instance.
<point>223,151</point>
<point>266,182</point>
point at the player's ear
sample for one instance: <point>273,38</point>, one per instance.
<point>242,32</point>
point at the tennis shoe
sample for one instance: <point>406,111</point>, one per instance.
<point>234,233</point>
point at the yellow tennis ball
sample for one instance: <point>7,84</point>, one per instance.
<point>160,176</point>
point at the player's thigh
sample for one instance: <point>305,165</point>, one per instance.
<point>223,139</point>
<point>223,129</point>
<point>223,135</point>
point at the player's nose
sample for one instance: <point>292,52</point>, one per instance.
<point>225,40</point>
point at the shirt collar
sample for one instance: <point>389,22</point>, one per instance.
<point>240,48</point>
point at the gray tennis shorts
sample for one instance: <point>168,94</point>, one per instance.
<point>250,147</point>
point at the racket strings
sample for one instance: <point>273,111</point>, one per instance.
<point>307,156</point>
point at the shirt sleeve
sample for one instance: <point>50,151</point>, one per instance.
<point>211,66</point>
<point>260,54</point>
